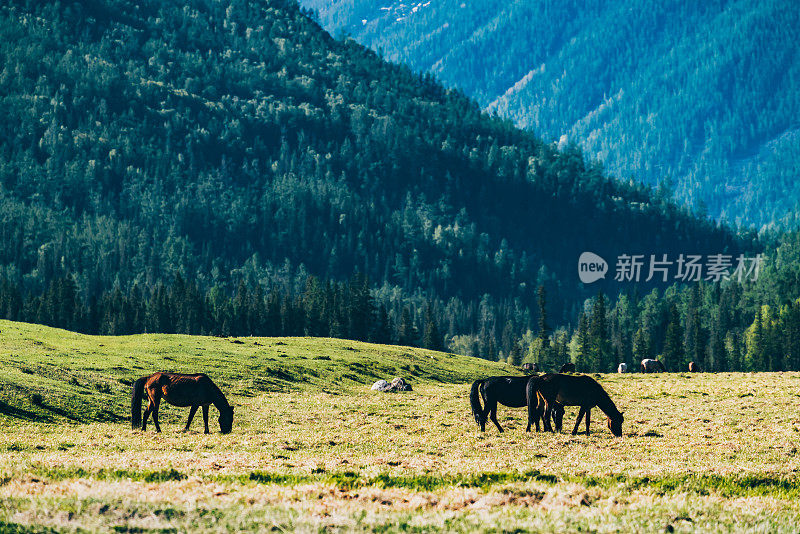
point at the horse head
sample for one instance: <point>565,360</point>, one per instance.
<point>226,420</point>
<point>615,424</point>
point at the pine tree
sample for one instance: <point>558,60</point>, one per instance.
<point>695,342</point>
<point>544,329</point>
<point>407,333</point>
<point>717,355</point>
<point>756,353</point>
<point>599,342</point>
<point>583,358</point>
<point>431,339</point>
<point>382,333</point>
<point>672,355</point>
<point>641,345</point>
<point>791,333</point>
<point>507,340</point>
<point>360,308</point>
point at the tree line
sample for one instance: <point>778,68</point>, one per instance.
<point>723,326</point>
<point>323,309</point>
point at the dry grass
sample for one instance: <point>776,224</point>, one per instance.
<point>700,453</point>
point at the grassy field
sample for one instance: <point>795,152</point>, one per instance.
<point>313,449</point>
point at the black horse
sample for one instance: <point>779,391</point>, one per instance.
<point>511,391</point>
<point>568,367</point>
<point>559,390</point>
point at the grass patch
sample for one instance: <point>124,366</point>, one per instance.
<point>701,484</point>
<point>16,528</point>
<point>67,473</point>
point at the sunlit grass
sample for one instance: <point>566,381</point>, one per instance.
<point>705,452</point>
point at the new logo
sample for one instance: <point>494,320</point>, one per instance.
<point>591,267</point>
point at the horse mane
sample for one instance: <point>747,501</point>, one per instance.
<point>223,401</point>
<point>605,403</point>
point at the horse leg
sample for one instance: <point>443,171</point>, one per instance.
<point>155,414</point>
<point>558,417</point>
<point>191,416</point>
<point>548,411</point>
<point>486,409</point>
<point>581,413</point>
<point>147,412</point>
<point>494,416</point>
<point>533,416</point>
<point>588,413</point>
<point>484,416</point>
<point>205,419</point>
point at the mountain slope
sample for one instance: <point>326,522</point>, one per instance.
<point>241,144</point>
<point>82,378</point>
<point>707,93</point>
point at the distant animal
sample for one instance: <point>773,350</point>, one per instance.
<point>509,391</point>
<point>577,390</point>
<point>694,367</point>
<point>568,367</point>
<point>652,366</point>
<point>192,390</point>
<point>622,368</point>
<point>530,367</point>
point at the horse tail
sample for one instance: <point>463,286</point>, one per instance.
<point>475,401</point>
<point>136,402</point>
<point>532,398</point>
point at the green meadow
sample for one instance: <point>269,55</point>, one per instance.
<point>313,449</point>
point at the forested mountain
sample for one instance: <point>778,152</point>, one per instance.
<point>706,94</point>
<point>204,158</point>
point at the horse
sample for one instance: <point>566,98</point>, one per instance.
<point>558,390</point>
<point>694,367</point>
<point>622,368</point>
<point>530,367</point>
<point>537,406</point>
<point>652,366</point>
<point>509,391</point>
<point>193,390</point>
<point>568,367</point>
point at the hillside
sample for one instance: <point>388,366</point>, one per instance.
<point>244,149</point>
<point>82,378</point>
<point>705,94</point>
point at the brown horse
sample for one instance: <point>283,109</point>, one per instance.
<point>577,390</point>
<point>193,390</point>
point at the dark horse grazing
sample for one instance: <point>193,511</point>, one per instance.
<point>509,391</point>
<point>652,366</point>
<point>557,390</point>
<point>179,390</point>
<point>568,367</point>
